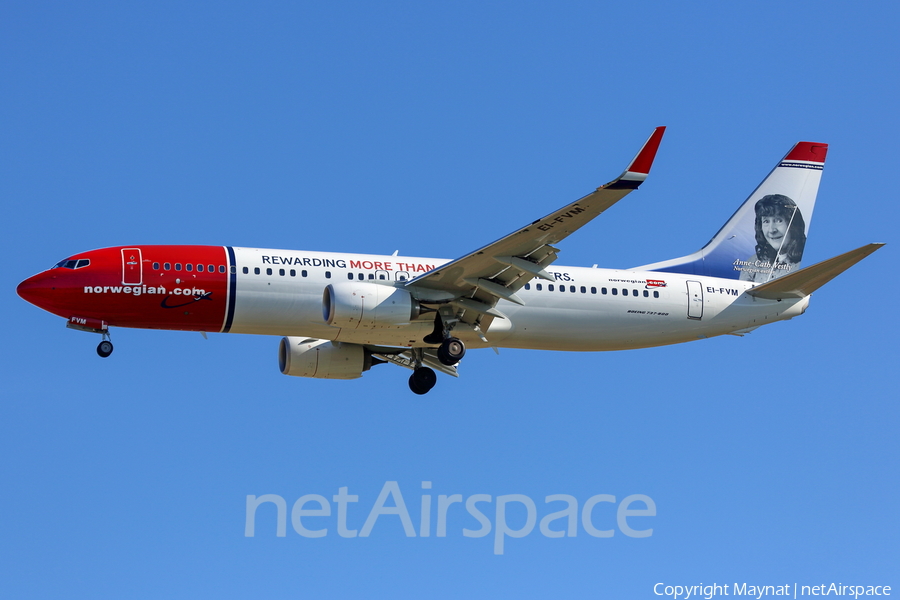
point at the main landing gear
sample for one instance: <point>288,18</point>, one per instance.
<point>422,380</point>
<point>451,351</point>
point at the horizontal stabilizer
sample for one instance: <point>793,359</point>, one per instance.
<point>804,282</point>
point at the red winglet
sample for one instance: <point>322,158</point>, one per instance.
<point>808,151</point>
<point>644,159</point>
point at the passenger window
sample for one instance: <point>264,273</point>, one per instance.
<point>371,275</point>
<point>583,290</point>
<point>361,276</point>
<point>156,266</point>
<point>593,290</point>
<point>550,287</point>
<point>634,292</point>
<point>615,291</point>
<point>281,272</point>
<point>189,267</point>
<point>646,294</point>
<point>199,268</point>
<point>527,286</point>
<point>293,272</point>
<point>268,270</point>
<point>624,292</point>
<point>245,270</point>
<point>233,269</point>
<point>303,273</point>
<point>167,266</point>
<point>222,269</point>
<point>327,274</point>
<point>403,278</point>
<point>538,286</point>
<point>603,291</point>
<point>562,288</point>
<point>655,294</point>
<point>177,266</point>
<point>350,276</point>
<point>212,269</point>
<point>572,289</point>
<point>256,270</point>
<point>381,276</point>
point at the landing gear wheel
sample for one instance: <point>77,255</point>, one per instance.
<point>422,380</point>
<point>451,351</point>
<point>105,348</point>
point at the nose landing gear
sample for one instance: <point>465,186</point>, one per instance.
<point>92,325</point>
<point>105,347</point>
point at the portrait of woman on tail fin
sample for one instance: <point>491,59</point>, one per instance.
<point>780,239</point>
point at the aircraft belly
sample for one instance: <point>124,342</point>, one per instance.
<point>597,328</point>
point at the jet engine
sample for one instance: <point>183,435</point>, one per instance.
<point>360,305</point>
<point>323,359</point>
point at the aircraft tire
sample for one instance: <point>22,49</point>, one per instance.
<point>104,349</point>
<point>451,351</point>
<point>422,380</point>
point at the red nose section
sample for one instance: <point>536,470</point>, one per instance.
<point>153,287</point>
<point>38,290</point>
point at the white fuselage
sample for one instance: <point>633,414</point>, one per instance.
<point>279,292</point>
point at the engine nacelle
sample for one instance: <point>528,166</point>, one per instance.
<point>361,305</point>
<point>323,359</point>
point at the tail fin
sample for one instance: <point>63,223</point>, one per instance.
<point>765,238</point>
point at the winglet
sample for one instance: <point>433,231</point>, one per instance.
<point>804,282</point>
<point>639,168</point>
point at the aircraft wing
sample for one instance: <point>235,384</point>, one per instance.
<point>474,283</point>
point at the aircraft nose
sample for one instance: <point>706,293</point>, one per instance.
<point>36,289</point>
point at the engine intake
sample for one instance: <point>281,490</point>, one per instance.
<point>323,359</point>
<point>368,306</point>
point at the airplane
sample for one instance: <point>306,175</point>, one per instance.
<point>340,314</point>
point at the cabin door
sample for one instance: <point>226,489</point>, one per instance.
<point>132,266</point>
<point>695,300</point>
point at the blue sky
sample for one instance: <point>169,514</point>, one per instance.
<point>434,129</point>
